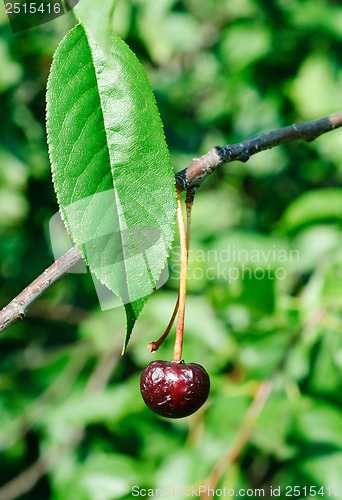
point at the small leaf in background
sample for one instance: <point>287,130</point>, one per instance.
<point>313,206</point>
<point>102,476</point>
<point>316,88</point>
<point>328,361</point>
<point>274,439</point>
<point>111,167</point>
<point>11,71</point>
<point>320,422</point>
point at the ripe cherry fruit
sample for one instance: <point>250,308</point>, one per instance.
<point>174,390</point>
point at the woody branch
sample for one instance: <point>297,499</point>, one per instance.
<point>191,176</point>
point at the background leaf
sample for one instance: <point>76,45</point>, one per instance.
<point>111,166</point>
<point>313,206</point>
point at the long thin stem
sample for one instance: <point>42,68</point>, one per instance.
<point>182,287</point>
<point>154,346</point>
<point>189,201</point>
<point>190,195</point>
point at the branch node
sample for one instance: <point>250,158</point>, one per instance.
<point>181,182</point>
<point>19,315</point>
<point>224,153</point>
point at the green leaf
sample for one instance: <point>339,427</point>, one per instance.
<point>111,167</point>
<point>313,206</point>
<point>101,476</point>
<point>273,439</point>
<point>327,361</point>
<point>321,423</point>
<point>96,21</point>
<point>108,406</point>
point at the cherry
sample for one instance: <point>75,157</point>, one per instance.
<point>174,390</point>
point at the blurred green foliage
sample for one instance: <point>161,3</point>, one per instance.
<point>266,254</point>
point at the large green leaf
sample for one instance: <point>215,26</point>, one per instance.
<point>110,163</point>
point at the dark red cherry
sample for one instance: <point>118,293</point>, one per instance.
<point>174,390</point>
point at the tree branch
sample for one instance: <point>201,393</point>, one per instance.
<point>242,437</point>
<point>258,403</point>
<point>193,175</point>
<point>19,306</point>
<point>204,165</point>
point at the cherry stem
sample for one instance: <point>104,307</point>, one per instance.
<point>153,346</point>
<point>190,195</point>
<point>189,201</point>
<point>177,357</point>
